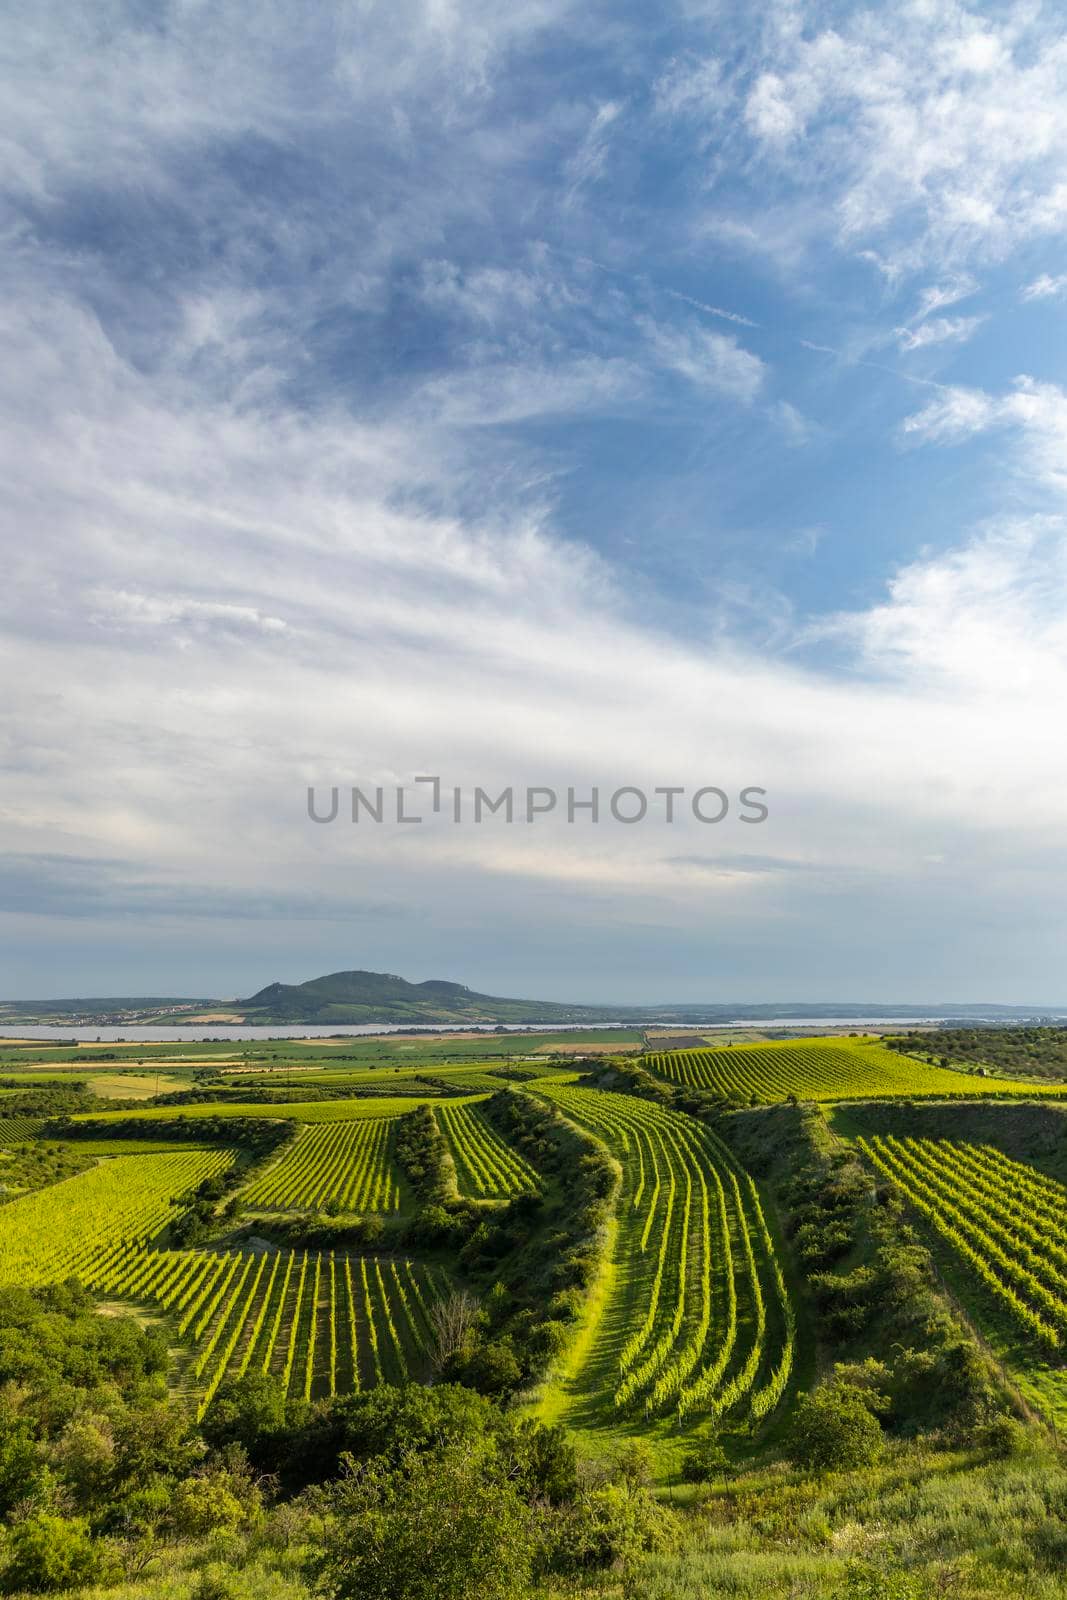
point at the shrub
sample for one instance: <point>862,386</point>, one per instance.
<point>47,1553</point>
<point>834,1428</point>
<point>446,1529</point>
<point>610,1527</point>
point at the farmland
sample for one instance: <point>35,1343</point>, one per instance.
<point>66,1229</point>
<point>1001,1225</point>
<point>821,1070</point>
<point>288,1110</point>
<point>347,1165</point>
<point>698,1321</point>
<point>627,1249</point>
<point>486,1168</point>
<point>321,1323</point>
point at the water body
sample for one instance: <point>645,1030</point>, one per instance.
<point>142,1033</point>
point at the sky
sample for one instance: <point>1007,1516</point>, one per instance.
<point>563,396</point>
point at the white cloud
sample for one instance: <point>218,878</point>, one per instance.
<point>1037,410</point>
<point>708,360</point>
<point>938,330</point>
<point>936,296</point>
<point>587,163</point>
<point>1045,287</point>
<point>692,87</point>
<point>797,428</point>
<point>937,133</point>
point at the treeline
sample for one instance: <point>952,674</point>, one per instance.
<point>1030,1052</point>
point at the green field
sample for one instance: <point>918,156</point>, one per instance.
<point>348,1165</point>
<point>288,1110</point>
<point>683,1319</point>
<point>69,1228</point>
<point>695,1320</point>
<point>321,1323</point>
<point>1003,1226</point>
<point>822,1070</point>
<point>486,1167</point>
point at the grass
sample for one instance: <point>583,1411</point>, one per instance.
<point>133,1085</point>
<point>918,1525</point>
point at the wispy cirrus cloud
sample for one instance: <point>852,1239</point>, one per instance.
<point>938,330</point>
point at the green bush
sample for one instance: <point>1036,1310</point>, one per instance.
<point>835,1428</point>
<point>47,1553</point>
<point>609,1527</point>
<point>445,1529</point>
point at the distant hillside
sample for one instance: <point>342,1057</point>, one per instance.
<point>383,997</point>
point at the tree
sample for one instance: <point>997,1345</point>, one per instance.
<point>451,1528</point>
<point>453,1325</point>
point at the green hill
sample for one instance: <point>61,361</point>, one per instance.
<point>383,997</point>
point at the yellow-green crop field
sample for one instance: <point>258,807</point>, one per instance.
<point>289,1110</point>
<point>824,1069</point>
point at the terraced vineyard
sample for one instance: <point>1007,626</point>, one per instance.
<point>322,1323</point>
<point>1006,1222</point>
<point>698,1319</point>
<point>819,1069</point>
<point>65,1230</point>
<point>348,1165</point>
<point>486,1167</point>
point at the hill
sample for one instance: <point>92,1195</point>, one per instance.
<point>346,997</point>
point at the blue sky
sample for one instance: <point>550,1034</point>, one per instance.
<point>581,396</point>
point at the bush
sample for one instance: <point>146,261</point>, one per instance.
<point>610,1527</point>
<point>835,1428</point>
<point>47,1553</point>
<point>1003,1436</point>
<point>446,1529</point>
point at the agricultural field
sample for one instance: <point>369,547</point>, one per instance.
<point>64,1230</point>
<point>486,1167</point>
<point>821,1070</point>
<point>400,1081</point>
<point>13,1130</point>
<point>288,1110</point>
<point>344,1165</point>
<point>322,1323</point>
<point>696,1320</point>
<point>1003,1227</point>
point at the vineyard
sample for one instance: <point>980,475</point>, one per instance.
<point>322,1323</point>
<point>63,1231</point>
<point>486,1167</point>
<point>289,1110</point>
<point>1004,1220</point>
<point>13,1130</point>
<point>818,1069</point>
<point>347,1166</point>
<point>699,1321</point>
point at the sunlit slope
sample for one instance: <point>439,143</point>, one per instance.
<point>696,1319</point>
<point>822,1069</point>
